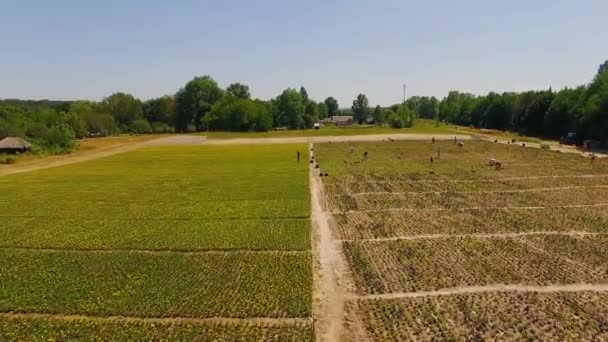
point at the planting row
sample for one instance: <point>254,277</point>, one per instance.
<point>237,284</point>
<point>581,316</point>
<point>426,265</point>
<point>177,234</point>
<point>37,329</point>
<point>367,225</point>
<point>460,200</point>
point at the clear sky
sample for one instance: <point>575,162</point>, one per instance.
<point>85,49</point>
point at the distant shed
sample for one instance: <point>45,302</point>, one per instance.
<point>14,145</point>
<point>343,120</point>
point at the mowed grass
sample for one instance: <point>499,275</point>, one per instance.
<point>194,232</point>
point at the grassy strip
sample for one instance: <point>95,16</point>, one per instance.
<point>163,285</point>
<point>184,235</point>
<point>48,329</point>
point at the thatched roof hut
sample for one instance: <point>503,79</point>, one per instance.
<point>14,145</point>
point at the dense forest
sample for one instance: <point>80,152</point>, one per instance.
<point>544,113</point>
<point>202,105</point>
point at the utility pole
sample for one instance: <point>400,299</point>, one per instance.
<point>404,86</point>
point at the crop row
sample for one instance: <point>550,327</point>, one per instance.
<point>411,159</point>
<point>236,284</point>
<point>155,234</point>
<point>38,329</point>
<point>579,316</point>
<point>366,225</point>
<point>458,200</point>
<point>425,265</point>
<point>345,184</point>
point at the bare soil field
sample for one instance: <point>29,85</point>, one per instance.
<point>441,245</point>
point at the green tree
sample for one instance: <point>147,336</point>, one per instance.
<point>194,101</point>
<point>238,90</point>
<point>237,114</point>
<point>332,106</point>
<point>161,109</point>
<point>123,107</point>
<point>564,113</point>
<point>379,115</point>
<point>290,109</point>
<point>360,108</point>
<point>322,110</point>
<point>304,95</point>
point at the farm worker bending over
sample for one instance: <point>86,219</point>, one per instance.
<point>298,155</point>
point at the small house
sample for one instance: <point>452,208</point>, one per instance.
<point>342,120</point>
<point>14,145</point>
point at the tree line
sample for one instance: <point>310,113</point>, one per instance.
<point>544,113</point>
<point>203,105</point>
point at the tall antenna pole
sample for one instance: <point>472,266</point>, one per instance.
<point>404,86</point>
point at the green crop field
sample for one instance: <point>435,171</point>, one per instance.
<point>181,232</point>
<point>438,241</point>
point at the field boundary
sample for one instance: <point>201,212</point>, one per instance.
<point>265,321</point>
<point>158,251</point>
<point>492,180</point>
<point>415,193</point>
<point>476,236</point>
<point>472,208</point>
<point>579,287</point>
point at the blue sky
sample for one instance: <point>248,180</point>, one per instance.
<point>68,49</point>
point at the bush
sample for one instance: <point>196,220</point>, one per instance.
<point>396,121</point>
<point>161,127</point>
<point>140,126</point>
<point>7,160</point>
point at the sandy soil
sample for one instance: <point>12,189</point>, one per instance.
<point>476,236</point>
<point>581,287</point>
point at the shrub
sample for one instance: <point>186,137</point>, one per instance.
<point>7,160</point>
<point>140,126</point>
<point>161,127</point>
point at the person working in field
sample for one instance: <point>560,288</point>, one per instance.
<point>298,155</point>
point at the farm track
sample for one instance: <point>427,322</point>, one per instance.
<point>473,208</point>
<point>504,179</point>
<point>193,140</point>
<point>581,287</point>
<point>264,321</point>
<point>414,193</point>
<point>476,236</point>
<point>158,251</point>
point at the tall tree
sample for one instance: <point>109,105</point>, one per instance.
<point>161,109</point>
<point>304,95</point>
<point>322,110</point>
<point>360,108</point>
<point>238,90</point>
<point>194,101</point>
<point>124,108</point>
<point>332,106</point>
<point>289,109</point>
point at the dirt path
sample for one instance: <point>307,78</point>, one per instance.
<point>264,321</point>
<point>415,193</point>
<point>582,287</point>
<point>339,138</point>
<point>473,208</point>
<point>476,236</point>
<point>504,179</point>
<point>328,296</point>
